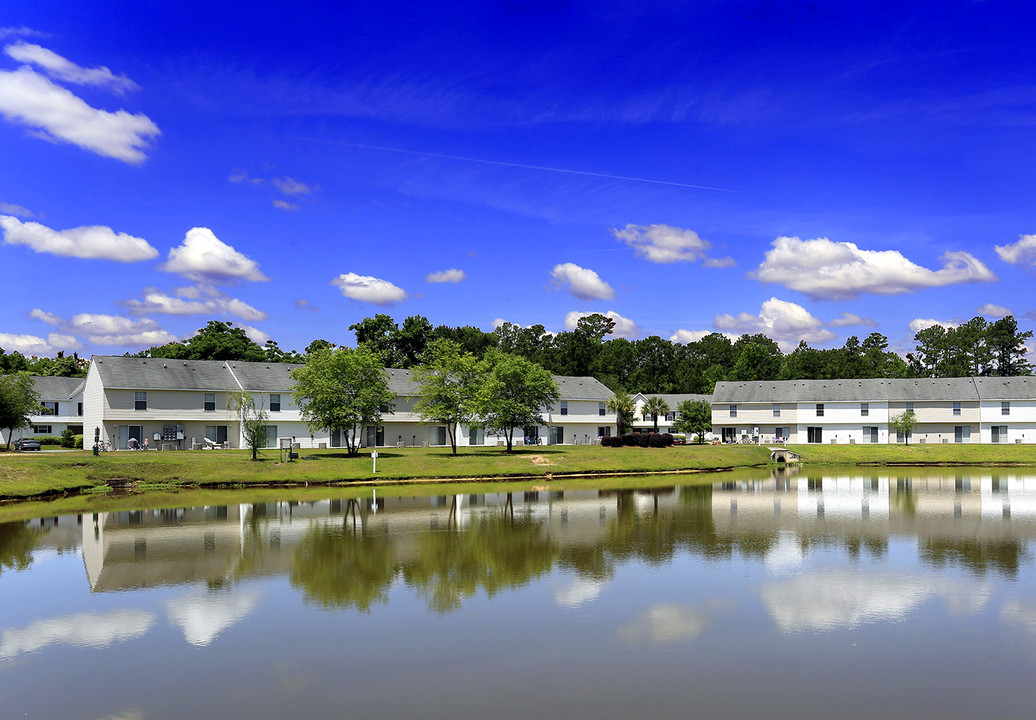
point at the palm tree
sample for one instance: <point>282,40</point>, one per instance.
<point>623,406</point>
<point>656,406</point>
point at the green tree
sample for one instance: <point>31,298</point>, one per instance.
<point>759,358</point>
<point>253,419</point>
<point>218,340</point>
<point>18,400</point>
<point>904,424</point>
<point>655,406</point>
<point>379,334</point>
<point>448,383</point>
<point>514,394</point>
<point>410,341</point>
<point>694,418</point>
<point>1007,348</point>
<point>342,389</point>
<point>623,406</point>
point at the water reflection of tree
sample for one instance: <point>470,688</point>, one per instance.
<point>17,541</point>
<point>496,551</point>
<point>1002,556</point>
<point>344,566</point>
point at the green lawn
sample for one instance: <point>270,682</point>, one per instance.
<point>29,475</point>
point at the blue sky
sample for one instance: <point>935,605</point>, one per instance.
<point>808,171</point>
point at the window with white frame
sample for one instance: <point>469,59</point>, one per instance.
<point>564,407</point>
<point>1005,408</point>
<point>210,401</point>
<point>733,411</point>
<point>865,409</point>
<point>956,408</point>
<point>140,400</point>
<point>776,409</point>
<point>910,407</point>
<point>42,429</point>
<point>820,409</point>
<point>600,408</point>
<point>50,408</point>
<point>275,402</point>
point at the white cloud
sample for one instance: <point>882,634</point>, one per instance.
<point>1023,251</point>
<point>624,327</point>
<point>10,209</point>
<point>92,630</point>
<point>255,334</point>
<point>109,329</point>
<point>67,71</point>
<point>666,624</point>
<point>203,617</point>
<point>88,241</point>
<point>205,258</point>
<point>33,345</point>
<point>240,176</point>
<point>576,592</point>
<point>30,99</point>
<point>690,336</point>
<point>827,270</point>
<point>667,244</point>
<point>848,319</point>
<point>369,289</point>
<point>284,205</point>
<point>995,311</point>
<point>828,600</point>
<point>291,186</point>
<point>303,304</point>
<point>446,276</point>
<point>919,324</point>
<point>783,321</point>
<point>583,283</point>
<point>22,31</point>
<point>158,302</point>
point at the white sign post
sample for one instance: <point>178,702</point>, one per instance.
<point>374,457</point>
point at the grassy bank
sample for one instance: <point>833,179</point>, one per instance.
<point>34,475</point>
<point>26,475</point>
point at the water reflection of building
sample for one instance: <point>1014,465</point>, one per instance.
<point>979,519</point>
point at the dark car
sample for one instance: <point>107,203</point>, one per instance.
<point>26,444</point>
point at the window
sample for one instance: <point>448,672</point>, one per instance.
<point>437,435</point>
<point>1005,408</point>
<point>733,411</point>
<point>870,433</point>
<point>140,401</point>
<point>50,408</point>
<point>776,409</point>
<point>271,436</point>
<point>42,429</point>
<point>956,409</point>
<point>962,434</point>
<point>780,433</point>
<point>999,433</point>
<point>670,416</point>
<point>275,402</point>
<point>564,407</point>
<point>865,409</point>
<point>900,437</point>
<point>910,407</point>
<point>210,401</point>
<point>600,408</point>
<point>814,434</point>
<point>604,431</point>
<point>476,436</point>
<point>79,409</point>
<point>216,433</point>
<point>820,409</point>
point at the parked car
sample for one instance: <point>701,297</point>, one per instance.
<point>679,439</point>
<point>26,444</point>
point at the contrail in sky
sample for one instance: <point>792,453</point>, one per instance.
<point>524,166</point>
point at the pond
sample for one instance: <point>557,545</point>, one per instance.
<point>851,593</point>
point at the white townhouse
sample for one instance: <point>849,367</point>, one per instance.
<point>62,401</point>
<point>182,404</point>
<point>644,422</point>
<point>948,410</point>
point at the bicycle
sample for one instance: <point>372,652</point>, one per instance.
<point>105,446</point>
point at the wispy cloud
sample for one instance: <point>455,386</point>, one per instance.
<point>667,244</point>
<point>154,301</point>
<point>446,276</point>
<point>65,70</point>
<point>99,329</point>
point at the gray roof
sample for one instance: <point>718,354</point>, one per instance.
<point>582,388</point>
<point>119,371</point>
<point>57,388</point>
<point>674,400</point>
<point>890,389</point>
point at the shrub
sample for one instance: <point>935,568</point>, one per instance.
<point>68,438</point>
<point>49,440</point>
<point>638,440</point>
<point>79,442</point>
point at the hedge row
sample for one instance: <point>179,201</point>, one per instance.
<point>638,440</point>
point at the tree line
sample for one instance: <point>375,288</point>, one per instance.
<point>649,365</point>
